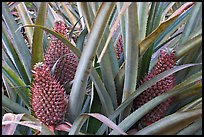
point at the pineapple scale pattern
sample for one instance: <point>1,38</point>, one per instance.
<point>67,61</point>
<point>119,47</point>
<point>166,61</point>
<point>48,101</point>
<point>48,90</point>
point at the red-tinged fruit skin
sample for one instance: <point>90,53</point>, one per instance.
<point>119,47</point>
<point>165,62</point>
<point>48,100</point>
<point>57,51</point>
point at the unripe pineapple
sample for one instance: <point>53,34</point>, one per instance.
<point>48,101</point>
<point>67,64</point>
<point>166,61</point>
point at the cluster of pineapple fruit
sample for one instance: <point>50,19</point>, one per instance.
<point>49,98</point>
<point>48,89</point>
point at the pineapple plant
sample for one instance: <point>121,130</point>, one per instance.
<point>101,68</point>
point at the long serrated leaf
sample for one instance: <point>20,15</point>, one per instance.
<point>189,27</point>
<point>110,53</point>
<point>23,92</point>
<point>7,60</point>
<point>37,46</point>
<point>122,22</point>
<point>94,6</point>
<point>80,121</point>
<point>119,79</point>
<point>141,89</point>
<point>72,18</point>
<point>178,121</point>
<point>181,8</point>
<point>172,28</point>
<point>11,51</point>
<point>154,28</point>
<point>109,66</point>
<point>189,130</point>
<point>81,38</point>
<point>85,63</point>
<point>131,54</point>
<point>153,24</point>
<point>60,37</point>
<point>167,9</point>
<point>103,94</point>
<point>8,89</point>
<point>86,14</point>
<point>188,46</point>
<point>192,105</point>
<point>196,92</point>
<point>26,19</point>
<point>144,45</point>
<point>19,44</point>
<point>6,102</point>
<point>114,26</point>
<point>142,18</point>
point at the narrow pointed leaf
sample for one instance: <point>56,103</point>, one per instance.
<point>72,18</point>
<point>37,46</point>
<point>86,14</point>
<point>142,18</point>
<point>11,51</point>
<point>85,63</point>
<point>6,102</point>
<point>189,130</point>
<point>178,121</point>
<point>19,44</point>
<point>80,121</point>
<point>60,37</point>
<point>23,92</point>
<point>131,54</point>
<point>109,66</point>
<point>26,19</point>
<point>189,27</point>
<point>103,94</point>
<point>144,45</point>
<point>188,46</point>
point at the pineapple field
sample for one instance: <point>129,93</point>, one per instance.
<point>101,68</point>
